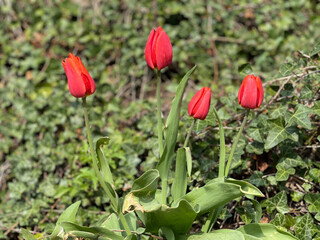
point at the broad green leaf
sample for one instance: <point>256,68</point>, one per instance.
<point>278,112</point>
<point>180,179</point>
<point>112,222</point>
<point>279,133</point>
<point>143,191</point>
<point>292,161</point>
<point>314,200</point>
<point>258,210</point>
<point>167,233</point>
<point>171,129</point>
<point>219,193</point>
<point>189,161</point>
<point>286,69</point>
<point>305,228</point>
<point>245,69</point>
<point>104,165</point>
<point>179,219</point>
<point>316,108</point>
<point>222,234</point>
<point>264,231</point>
<point>278,202</point>
<point>283,173</point>
<point>299,117</point>
<point>89,232</point>
<point>281,220</point>
<point>27,235</point>
<point>256,134</point>
<point>68,215</point>
<point>315,50</point>
<point>257,180</point>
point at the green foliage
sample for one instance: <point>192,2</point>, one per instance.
<point>43,152</point>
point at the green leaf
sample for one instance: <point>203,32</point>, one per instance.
<point>189,161</point>
<point>219,193</point>
<point>278,112</point>
<point>279,133</point>
<point>68,215</point>
<point>179,219</point>
<point>306,92</point>
<point>299,117</point>
<point>314,200</point>
<point>283,173</point>
<point>245,69</point>
<point>278,202</point>
<point>286,69</point>
<point>221,234</point>
<point>256,134</point>
<point>255,147</point>
<point>258,210</point>
<point>167,233</point>
<point>292,161</point>
<point>104,165</point>
<point>305,228</point>
<point>180,179</point>
<point>89,232</point>
<point>257,180</point>
<point>171,129</point>
<point>281,220</point>
<point>316,108</point>
<point>315,50</point>
<point>27,235</point>
<point>264,231</point>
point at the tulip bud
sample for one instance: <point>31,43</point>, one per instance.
<point>80,82</point>
<point>158,50</point>
<point>251,92</point>
<point>200,103</point>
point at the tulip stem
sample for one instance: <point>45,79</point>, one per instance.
<point>189,133</point>
<point>113,201</point>
<point>160,137</point>
<point>222,155</point>
<point>236,142</point>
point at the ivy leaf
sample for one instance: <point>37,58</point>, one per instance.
<point>257,180</point>
<point>306,92</point>
<point>255,147</point>
<point>278,202</point>
<point>305,228</point>
<point>292,161</point>
<point>281,220</point>
<point>286,69</point>
<point>314,200</point>
<point>245,69</point>
<point>278,112</point>
<point>283,173</point>
<point>315,50</point>
<point>299,117</point>
<point>316,108</point>
<point>279,133</point>
<point>256,134</point>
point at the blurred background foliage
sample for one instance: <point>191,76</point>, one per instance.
<point>43,153</point>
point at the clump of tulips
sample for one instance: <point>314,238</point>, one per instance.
<point>149,211</point>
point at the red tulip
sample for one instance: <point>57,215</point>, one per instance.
<point>199,105</point>
<point>158,51</point>
<point>80,82</point>
<point>251,92</point>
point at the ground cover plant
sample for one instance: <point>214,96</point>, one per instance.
<point>45,163</point>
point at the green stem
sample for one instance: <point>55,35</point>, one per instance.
<point>236,143</point>
<point>222,156</point>
<point>160,137</point>
<point>113,201</point>
<point>189,133</point>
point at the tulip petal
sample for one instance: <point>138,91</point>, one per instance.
<point>193,104</point>
<point>250,94</point>
<point>148,49</point>
<point>260,92</point>
<point>204,105</point>
<point>163,50</point>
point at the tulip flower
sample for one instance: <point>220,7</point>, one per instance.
<point>199,105</point>
<point>80,82</point>
<point>158,50</point>
<point>251,92</point>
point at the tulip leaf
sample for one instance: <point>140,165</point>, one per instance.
<point>89,232</point>
<point>221,234</point>
<point>179,219</point>
<point>180,180</point>
<point>171,128</point>
<point>264,231</point>
<point>68,215</point>
<point>219,193</point>
<point>104,165</point>
<point>278,133</point>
